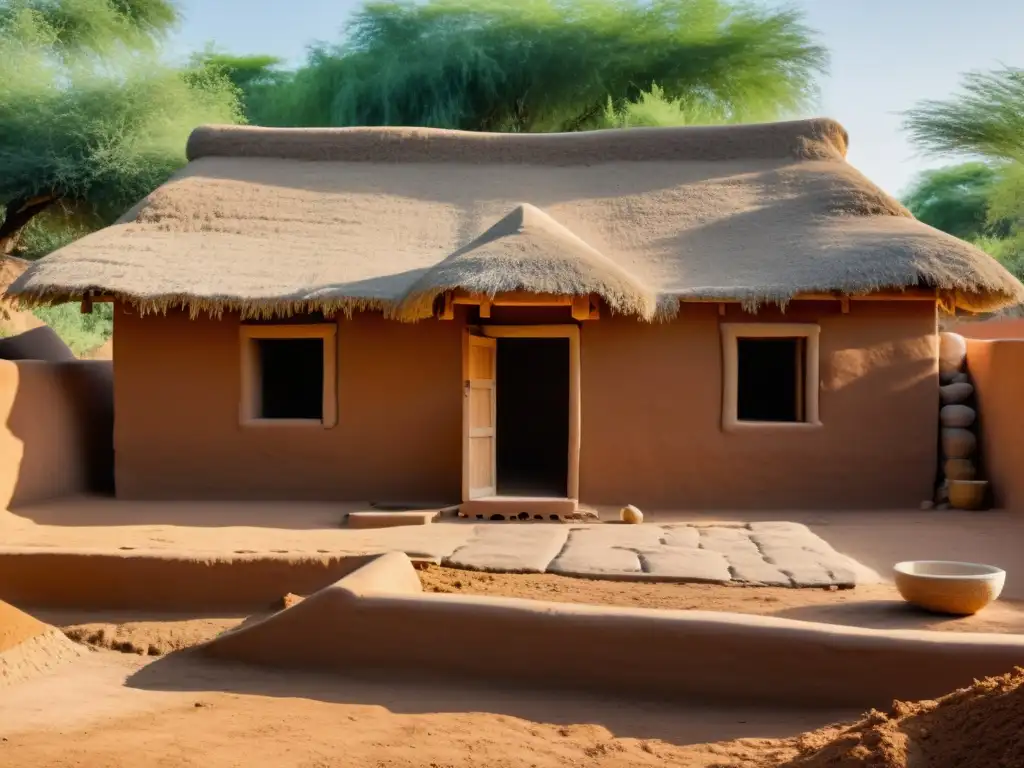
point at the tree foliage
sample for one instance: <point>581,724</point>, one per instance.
<point>548,65</point>
<point>957,200</point>
<point>91,119</point>
<point>255,76</point>
<point>87,25</point>
<point>985,119</point>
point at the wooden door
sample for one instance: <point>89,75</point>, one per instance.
<point>479,448</point>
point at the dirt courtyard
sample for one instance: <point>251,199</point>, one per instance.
<point>132,703</point>
<point>122,711</point>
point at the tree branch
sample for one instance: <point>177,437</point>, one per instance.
<point>18,213</point>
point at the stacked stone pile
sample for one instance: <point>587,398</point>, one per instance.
<point>957,416</point>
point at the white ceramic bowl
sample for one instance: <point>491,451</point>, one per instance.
<point>947,586</point>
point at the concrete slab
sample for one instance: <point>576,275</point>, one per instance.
<point>755,570</point>
<point>586,560</point>
<point>618,535</point>
<point>681,536</point>
<point>741,545</point>
<point>723,533</point>
<point>510,548</point>
<point>695,565</point>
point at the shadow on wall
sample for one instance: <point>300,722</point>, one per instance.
<point>58,417</point>
<point>997,370</point>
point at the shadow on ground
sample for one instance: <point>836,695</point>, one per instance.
<point>679,723</point>
<point>877,614</point>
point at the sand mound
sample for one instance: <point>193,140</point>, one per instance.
<point>29,647</point>
<point>975,727</point>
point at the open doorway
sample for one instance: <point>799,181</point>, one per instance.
<point>532,416</point>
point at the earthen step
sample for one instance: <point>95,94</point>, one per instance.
<point>391,519</point>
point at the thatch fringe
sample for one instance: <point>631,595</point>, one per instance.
<point>666,306</point>
<point>216,307</point>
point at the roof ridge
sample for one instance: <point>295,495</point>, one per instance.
<point>816,138</point>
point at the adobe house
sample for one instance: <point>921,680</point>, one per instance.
<point>728,317</point>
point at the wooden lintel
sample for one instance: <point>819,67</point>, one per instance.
<point>86,305</point>
<point>514,299</point>
<point>581,308</point>
<point>448,313</point>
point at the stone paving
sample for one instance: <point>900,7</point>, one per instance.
<point>770,553</point>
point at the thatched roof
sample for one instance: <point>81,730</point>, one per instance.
<point>277,221</point>
<point>529,250</point>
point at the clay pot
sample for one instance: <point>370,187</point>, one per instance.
<point>967,494</point>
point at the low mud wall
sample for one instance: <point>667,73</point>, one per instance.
<point>997,370</point>
<point>153,582</point>
<point>378,618</point>
<point>56,436</point>
<point>1001,328</point>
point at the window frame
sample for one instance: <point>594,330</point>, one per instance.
<point>249,405</point>
<point>731,334</point>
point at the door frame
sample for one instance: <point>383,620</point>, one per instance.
<point>572,333</point>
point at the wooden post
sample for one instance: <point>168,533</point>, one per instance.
<point>581,307</point>
<point>448,313</point>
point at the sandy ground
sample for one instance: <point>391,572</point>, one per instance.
<point>139,633</point>
<point>133,709</point>
<point>116,711</point>
<point>120,711</point>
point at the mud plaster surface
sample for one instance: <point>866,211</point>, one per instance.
<point>868,605</point>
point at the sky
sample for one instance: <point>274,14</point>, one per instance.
<point>885,56</point>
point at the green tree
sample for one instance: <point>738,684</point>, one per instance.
<point>957,200</point>
<point>985,119</point>
<point>255,76</point>
<point>91,119</point>
<point>550,65</point>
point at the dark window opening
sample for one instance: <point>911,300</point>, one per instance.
<point>533,417</point>
<point>291,378</point>
<point>770,379</point>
